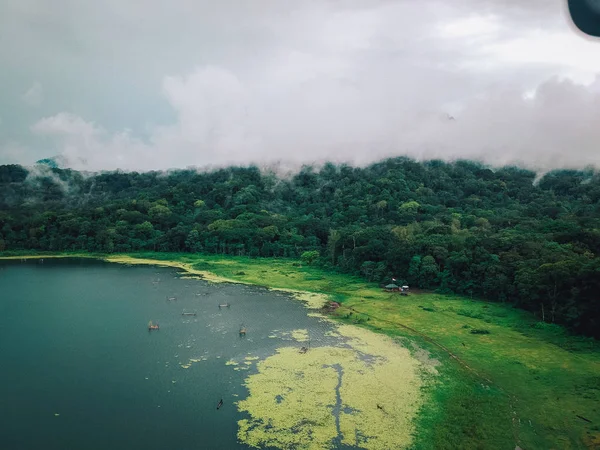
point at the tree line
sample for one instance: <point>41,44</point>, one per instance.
<point>495,233</point>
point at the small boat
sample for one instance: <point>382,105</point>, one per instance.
<point>242,330</point>
<point>152,326</point>
<point>171,299</point>
<point>224,305</point>
<point>188,313</point>
<point>220,404</point>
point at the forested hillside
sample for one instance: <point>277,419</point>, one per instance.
<point>457,227</point>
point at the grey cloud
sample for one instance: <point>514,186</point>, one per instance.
<point>145,85</point>
<point>555,128</point>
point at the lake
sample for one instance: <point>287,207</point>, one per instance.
<point>81,370</point>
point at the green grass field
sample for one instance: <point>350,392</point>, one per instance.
<point>506,379</point>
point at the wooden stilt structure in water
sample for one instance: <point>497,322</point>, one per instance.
<point>152,326</point>
<point>305,349</point>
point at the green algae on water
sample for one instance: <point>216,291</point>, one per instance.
<point>312,300</point>
<point>364,392</point>
<point>300,335</point>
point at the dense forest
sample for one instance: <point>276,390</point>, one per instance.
<point>494,233</point>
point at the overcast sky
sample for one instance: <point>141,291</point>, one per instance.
<point>151,84</point>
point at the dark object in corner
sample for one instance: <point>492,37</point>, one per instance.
<point>585,15</point>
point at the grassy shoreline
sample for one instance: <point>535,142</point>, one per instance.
<point>524,383</point>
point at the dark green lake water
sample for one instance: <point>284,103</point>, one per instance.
<point>74,342</point>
